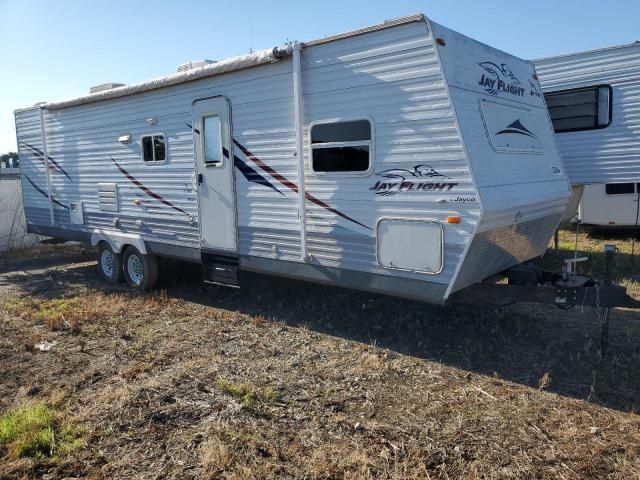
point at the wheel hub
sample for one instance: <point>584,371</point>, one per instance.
<point>135,268</point>
<point>107,263</point>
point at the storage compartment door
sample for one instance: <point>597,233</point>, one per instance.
<point>411,245</point>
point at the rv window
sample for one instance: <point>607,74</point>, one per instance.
<point>154,148</point>
<point>580,108</point>
<point>211,139</point>
<point>341,146</point>
<point>619,188</point>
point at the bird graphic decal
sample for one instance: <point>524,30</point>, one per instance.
<point>419,171</point>
<point>419,178</point>
<point>495,74</point>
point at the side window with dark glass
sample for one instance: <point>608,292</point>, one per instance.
<point>341,147</point>
<point>154,148</point>
<point>578,109</point>
<point>619,188</point>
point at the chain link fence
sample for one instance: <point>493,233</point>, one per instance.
<point>13,226</point>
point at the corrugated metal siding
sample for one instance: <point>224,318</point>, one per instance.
<point>32,168</point>
<point>611,154</point>
<point>392,77</point>
<point>83,140</point>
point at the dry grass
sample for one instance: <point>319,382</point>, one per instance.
<point>290,380</point>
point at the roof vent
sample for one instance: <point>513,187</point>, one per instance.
<point>105,86</point>
<point>195,64</point>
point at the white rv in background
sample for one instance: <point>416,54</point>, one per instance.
<point>594,103</point>
<point>402,158</point>
<point>610,204</point>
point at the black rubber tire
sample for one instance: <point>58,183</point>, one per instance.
<point>145,278</point>
<point>114,266</point>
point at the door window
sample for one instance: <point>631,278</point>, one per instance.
<point>212,140</point>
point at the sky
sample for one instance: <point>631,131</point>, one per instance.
<point>51,50</point>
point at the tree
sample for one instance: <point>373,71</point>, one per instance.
<point>4,159</point>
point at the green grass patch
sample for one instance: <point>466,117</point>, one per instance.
<point>247,395</point>
<point>35,431</point>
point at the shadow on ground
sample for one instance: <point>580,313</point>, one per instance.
<point>539,346</point>
<point>527,344</point>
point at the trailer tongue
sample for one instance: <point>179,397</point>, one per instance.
<point>530,284</point>
<point>549,291</point>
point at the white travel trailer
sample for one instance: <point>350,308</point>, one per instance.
<point>594,104</point>
<point>610,204</point>
<point>401,158</point>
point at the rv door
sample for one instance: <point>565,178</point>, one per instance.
<point>213,150</point>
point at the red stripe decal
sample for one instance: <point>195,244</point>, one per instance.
<point>289,184</point>
<point>146,190</point>
<point>282,179</point>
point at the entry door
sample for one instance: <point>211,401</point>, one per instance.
<point>214,174</point>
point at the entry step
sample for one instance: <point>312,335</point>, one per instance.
<point>220,269</point>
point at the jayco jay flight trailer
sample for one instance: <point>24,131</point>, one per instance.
<point>401,158</point>
<point>593,99</point>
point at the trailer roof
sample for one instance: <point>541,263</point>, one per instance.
<point>596,50</point>
<point>223,66</point>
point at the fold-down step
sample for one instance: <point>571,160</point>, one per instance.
<point>220,269</point>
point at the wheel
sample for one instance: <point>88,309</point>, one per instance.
<point>140,271</point>
<point>109,264</point>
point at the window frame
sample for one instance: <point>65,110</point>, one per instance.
<point>166,149</point>
<point>370,143</point>
<point>579,89</point>
<point>203,139</point>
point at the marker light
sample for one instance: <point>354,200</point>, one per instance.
<point>453,219</point>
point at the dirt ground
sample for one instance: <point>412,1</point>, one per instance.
<point>285,379</point>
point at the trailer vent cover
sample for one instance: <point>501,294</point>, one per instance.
<point>108,197</point>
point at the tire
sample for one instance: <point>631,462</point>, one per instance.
<point>109,264</point>
<point>140,271</point>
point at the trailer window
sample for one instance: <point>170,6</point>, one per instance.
<point>580,108</point>
<point>154,148</point>
<point>343,146</point>
<point>619,188</point>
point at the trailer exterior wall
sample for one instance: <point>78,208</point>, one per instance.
<point>390,76</point>
<point>610,154</point>
<point>393,78</point>
<point>83,140</point>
